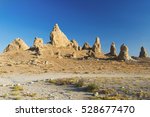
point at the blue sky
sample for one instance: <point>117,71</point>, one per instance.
<point>121,21</point>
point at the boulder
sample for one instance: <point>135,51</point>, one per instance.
<point>38,43</point>
<point>113,50</point>
<point>143,53</point>
<point>58,38</point>
<point>97,46</point>
<point>59,55</point>
<point>86,46</point>
<point>123,55</point>
<point>17,44</point>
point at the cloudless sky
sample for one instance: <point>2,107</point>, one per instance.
<point>121,21</point>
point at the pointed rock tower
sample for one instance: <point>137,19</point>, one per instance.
<point>58,38</point>
<point>97,45</point>
<point>17,44</point>
<point>113,49</point>
<point>143,53</point>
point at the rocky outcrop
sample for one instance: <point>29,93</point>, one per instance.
<point>91,54</point>
<point>58,38</point>
<point>97,46</point>
<point>74,55</point>
<point>38,43</point>
<point>74,44</point>
<point>124,55</point>
<point>17,44</point>
<point>143,53</point>
<point>79,48</point>
<point>113,50</point>
<point>86,46</point>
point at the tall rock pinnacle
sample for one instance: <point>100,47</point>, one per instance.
<point>97,45</point>
<point>58,38</point>
<point>143,53</point>
<point>124,55</point>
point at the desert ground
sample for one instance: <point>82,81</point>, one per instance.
<point>24,75</point>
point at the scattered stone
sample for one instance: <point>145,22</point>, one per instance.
<point>74,55</point>
<point>17,44</point>
<point>59,55</point>
<point>96,94</point>
<point>58,38</point>
<point>143,53</point>
<point>9,64</point>
<point>97,46</point>
<point>34,62</point>
<point>123,55</point>
<point>86,46</point>
<point>38,42</point>
<point>46,62</point>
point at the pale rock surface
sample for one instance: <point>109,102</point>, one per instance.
<point>17,44</point>
<point>58,38</point>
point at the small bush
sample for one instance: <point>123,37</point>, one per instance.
<point>17,88</point>
<point>30,94</point>
<point>92,87</point>
<point>66,81</point>
<point>80,83</point>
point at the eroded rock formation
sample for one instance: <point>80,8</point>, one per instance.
<point>124,55</point>
<point>97,46</point>
<point>86,46</point>
<point>113,50</point>
<point>58,38</point>
<point>17,44</point>
<point>38,43</point>
<point>74,44</point>
<point>143,53</point>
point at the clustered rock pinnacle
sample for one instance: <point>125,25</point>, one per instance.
<point>59,40</point>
